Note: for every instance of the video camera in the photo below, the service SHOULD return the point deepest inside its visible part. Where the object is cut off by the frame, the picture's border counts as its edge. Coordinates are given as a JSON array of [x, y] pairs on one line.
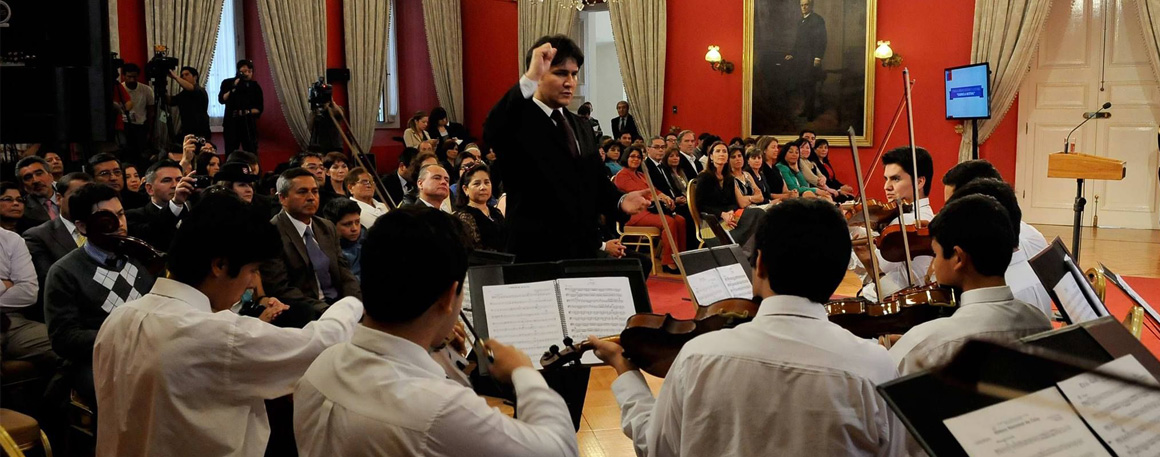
[[158, 68], [320, 93]]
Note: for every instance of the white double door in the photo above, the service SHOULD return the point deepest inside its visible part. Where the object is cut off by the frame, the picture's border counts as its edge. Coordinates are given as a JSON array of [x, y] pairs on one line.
[[1092, 52]]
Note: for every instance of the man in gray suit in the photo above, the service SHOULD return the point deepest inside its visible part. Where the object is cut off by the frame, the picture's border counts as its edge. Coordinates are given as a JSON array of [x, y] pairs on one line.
[[50, 241], [311, 272], [43, 202]]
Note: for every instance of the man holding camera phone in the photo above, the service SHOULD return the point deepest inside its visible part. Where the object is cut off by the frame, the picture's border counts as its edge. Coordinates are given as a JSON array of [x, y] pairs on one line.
[[169, 191], [242, 97]]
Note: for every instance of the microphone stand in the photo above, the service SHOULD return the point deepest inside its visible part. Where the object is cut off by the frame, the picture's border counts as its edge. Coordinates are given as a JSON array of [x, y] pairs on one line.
[[1080, 202]]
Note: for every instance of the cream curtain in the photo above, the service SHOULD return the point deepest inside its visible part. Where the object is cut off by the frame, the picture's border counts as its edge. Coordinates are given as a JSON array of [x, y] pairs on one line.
[[1149, 12], [188, 28], [295, 35], [443, 22], [114, 29], [366, 51], [537, 19], [1006, 35], [638, 28]]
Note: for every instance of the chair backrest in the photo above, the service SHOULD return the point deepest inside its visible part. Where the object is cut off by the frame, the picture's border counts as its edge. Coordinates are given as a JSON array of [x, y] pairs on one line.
[[703, 232]]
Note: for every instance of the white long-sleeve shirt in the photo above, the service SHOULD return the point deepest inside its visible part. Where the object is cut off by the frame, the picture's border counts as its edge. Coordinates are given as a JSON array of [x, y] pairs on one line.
[[174, 378], [894, 273], [16, 266], [384, 395], [788, 383]]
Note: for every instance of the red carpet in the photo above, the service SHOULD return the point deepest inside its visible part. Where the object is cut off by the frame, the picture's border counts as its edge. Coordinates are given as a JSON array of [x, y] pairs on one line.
[[669, 295]]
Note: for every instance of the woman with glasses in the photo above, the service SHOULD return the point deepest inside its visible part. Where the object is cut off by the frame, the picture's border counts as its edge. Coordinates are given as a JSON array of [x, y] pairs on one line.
[[632, 179], [362, 191], [12, 207], [484, 223]]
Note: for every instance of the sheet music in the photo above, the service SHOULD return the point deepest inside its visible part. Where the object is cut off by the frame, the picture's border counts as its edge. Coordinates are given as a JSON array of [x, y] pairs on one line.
[[1085, 287], [526, 316], [1074, 300], [595, 306], [1040, 424], [707, 287], [467, 305], [1126, 417], [736, 281]]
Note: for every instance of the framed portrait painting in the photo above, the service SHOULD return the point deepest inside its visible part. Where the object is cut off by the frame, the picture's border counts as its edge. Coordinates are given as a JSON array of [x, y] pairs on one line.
[[809, 64]]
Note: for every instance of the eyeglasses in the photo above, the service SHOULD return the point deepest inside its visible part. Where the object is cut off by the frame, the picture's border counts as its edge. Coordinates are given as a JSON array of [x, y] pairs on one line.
[[657, 147], [11, 199], [466, 166], [107, 173], [363, 182]]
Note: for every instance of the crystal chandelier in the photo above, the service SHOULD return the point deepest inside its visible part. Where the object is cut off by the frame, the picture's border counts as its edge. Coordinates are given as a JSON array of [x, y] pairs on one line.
[[578, 4]]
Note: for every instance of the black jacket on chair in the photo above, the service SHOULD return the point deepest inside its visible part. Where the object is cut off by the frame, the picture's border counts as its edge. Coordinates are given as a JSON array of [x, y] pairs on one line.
[[553, 199]]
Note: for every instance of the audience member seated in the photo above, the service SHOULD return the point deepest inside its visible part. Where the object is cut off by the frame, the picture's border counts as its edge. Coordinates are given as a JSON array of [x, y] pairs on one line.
[[12, 207], [483, 222], [448, 154], [237, 178], [87, 284], [168, 191], [770, 152], [311, 161], [441, 128], [433, 188], [55, 164], [754, 160], [52, 240], [334, 186], [821, 158], [22, 337], [416, 133], [464, 163], [717, 195], [106, 169], [133, 178], [787, 165], [208, 164], [362, 191], [310, 273], [812, 171], [666, 183], [177, 373], [632, 179], [421, 160], [248, 159], [399, 183], [973, 242], [41, 200], [612, 150], [345, 214], [748, 192], [825, 402], [383, 393], [687, 145]]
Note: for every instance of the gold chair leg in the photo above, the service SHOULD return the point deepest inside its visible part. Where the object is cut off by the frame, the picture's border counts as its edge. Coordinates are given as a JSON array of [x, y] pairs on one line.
[[44, 442], [9, 445]]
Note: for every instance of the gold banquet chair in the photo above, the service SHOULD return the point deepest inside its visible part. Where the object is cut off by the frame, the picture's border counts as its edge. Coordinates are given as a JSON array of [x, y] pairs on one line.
[[19, 433], [638, 237], [703, 230]]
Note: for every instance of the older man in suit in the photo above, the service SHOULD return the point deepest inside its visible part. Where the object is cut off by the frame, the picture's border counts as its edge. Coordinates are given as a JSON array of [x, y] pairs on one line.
[[311, 272], [43, 203], [624, 122], [50, 241], [556, 184]]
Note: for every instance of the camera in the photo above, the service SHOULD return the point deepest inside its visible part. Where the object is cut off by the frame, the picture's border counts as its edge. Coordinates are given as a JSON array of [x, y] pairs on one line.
[[160, 65], [320, 93], [202, 181], [199, 142]]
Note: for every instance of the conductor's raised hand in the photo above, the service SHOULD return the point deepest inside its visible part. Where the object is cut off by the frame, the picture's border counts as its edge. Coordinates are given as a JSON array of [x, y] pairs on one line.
[[506, 360], [635, 202], [541, 61]]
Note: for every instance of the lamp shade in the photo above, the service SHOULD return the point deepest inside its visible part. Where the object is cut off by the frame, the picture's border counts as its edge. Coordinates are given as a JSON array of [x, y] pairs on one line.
[[714, 54], [883, 51]]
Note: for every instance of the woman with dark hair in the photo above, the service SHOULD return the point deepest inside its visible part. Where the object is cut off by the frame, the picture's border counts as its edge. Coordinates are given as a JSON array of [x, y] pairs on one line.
[[612, 150], [770, 151], [12, 207], [753, 162], [748, 193], [336, 168], [416, 130], [811, 171], [208, 164], [630, 179], [821, 157], [484, 222], [448, 154], [717, 194], [132, 177], [675, 172], [441, 128], [787, 164], [736, 141]]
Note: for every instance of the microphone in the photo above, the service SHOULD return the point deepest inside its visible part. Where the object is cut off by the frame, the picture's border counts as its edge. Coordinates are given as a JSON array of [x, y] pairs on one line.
[[1086, 117]]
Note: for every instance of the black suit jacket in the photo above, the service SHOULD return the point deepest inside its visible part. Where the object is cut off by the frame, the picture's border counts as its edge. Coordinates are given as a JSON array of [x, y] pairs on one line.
[[290, 276], [810, 41], [659, 178], [394, 187], [157, 226], [133, 200], [553, 199], [691, 167], [630, 127], [47, 243], [34, 211]]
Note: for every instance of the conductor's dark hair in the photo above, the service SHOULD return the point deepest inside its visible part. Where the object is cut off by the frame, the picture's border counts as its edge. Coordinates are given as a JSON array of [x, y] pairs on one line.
[[813, 231], [565, 49], [1000, 191], [963, 173], [979, 226], [198, 241], [401, 281], [81, 203], [901, 156]]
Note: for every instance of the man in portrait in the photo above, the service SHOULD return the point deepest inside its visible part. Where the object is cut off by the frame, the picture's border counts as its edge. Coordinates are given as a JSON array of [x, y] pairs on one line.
[[805, 57]]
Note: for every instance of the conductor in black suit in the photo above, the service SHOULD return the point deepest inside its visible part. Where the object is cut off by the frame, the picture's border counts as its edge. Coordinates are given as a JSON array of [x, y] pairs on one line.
[[556, 184], [805, 58], [624, 121]]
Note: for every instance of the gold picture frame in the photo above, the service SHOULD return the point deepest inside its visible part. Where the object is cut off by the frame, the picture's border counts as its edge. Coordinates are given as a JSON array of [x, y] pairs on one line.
[[831, 131]]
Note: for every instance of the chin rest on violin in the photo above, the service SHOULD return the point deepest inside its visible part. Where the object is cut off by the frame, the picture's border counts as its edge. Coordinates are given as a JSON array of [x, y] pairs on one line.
[[896, 314], [652, 341]]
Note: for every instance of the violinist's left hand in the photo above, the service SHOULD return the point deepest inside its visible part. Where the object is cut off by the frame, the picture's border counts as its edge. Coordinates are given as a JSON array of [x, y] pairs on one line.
[[458, 339], [612, 354]]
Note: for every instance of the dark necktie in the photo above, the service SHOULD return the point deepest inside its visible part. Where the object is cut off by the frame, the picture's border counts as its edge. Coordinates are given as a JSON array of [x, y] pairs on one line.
[[566, 128], [321, 263], [623, 120]]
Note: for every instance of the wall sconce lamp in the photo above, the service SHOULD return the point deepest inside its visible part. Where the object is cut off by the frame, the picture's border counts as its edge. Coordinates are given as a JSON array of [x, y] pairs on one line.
[[716, 62], [886, 55]]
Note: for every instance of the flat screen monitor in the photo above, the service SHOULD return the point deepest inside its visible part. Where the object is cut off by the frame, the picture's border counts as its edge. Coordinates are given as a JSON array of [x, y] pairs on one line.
[[968, 92]]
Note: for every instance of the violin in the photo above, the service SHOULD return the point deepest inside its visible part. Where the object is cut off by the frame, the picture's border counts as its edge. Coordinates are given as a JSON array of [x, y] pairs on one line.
[[894, 315], [879, 214], [102, 232], [652, 341], [918, 238]]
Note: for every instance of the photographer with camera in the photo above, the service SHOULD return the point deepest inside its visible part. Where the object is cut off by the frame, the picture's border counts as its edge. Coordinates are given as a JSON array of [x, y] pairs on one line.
[[139, 118], [242, 97], [192, 103], [169, 192]]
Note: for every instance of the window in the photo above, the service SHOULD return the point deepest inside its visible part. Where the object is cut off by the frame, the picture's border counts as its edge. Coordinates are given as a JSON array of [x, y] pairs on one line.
[[389, 102], [226, 52]]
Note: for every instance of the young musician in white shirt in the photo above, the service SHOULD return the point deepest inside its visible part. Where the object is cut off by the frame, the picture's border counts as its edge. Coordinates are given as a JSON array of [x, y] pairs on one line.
[[788, 383], [973, 242], [383, 394]]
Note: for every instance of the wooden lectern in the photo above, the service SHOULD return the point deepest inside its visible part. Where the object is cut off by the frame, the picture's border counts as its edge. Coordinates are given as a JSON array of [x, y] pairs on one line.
[[1080, 167]]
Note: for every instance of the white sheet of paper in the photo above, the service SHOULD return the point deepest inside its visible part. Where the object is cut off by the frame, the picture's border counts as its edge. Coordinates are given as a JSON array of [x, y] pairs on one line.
[[1073, 300], [526, 316], [707, 287], [1040, 424], [595, 306], [1126, 417], [736, 281]]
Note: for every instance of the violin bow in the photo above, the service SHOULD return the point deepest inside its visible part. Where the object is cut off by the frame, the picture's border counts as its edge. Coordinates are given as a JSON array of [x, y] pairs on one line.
[[910, 279], [875, 270], [665, 228], [357, 153]]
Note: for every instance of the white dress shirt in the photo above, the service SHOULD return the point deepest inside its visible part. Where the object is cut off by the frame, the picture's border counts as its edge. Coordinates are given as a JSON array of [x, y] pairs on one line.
[[895, 277], [16, 266], [72, 230], [383, 395], [369, 213], [788, 383], [990, 313], [1025, 285], [1031, 241], [175, 378]]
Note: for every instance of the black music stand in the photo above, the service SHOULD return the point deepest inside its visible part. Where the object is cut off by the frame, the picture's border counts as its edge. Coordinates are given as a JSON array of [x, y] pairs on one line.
[[1056, 264]]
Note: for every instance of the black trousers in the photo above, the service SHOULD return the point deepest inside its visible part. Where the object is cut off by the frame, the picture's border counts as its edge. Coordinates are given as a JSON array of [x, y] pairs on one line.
[[240, 132]]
